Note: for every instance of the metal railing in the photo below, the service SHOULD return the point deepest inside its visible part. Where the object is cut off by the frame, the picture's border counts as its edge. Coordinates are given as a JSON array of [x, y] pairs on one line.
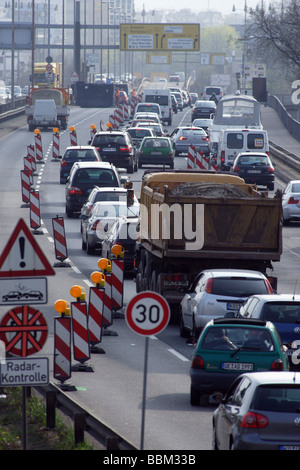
[[291, 124]]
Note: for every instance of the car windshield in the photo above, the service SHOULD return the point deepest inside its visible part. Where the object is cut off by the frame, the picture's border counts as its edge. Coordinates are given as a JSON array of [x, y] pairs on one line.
[[158, 143], [109, 139], [253, 160], [238, 287], [281, 312], [211, 90], [95, 177], [193, 131], [138, 133], [296, 188], [115, 210], [205, 104], [282, 398], [148, 108], [110, 196], [237, 338], [80, 154]]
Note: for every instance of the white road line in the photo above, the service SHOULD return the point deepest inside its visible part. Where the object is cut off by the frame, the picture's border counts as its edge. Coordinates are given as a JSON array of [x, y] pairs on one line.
[[177, 354]]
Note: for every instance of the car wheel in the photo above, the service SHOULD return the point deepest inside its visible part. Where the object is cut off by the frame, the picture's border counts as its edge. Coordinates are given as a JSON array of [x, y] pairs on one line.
[[83, 245], [140, 165], [214, 439], [172, 166], [195, 396], [285, 222], [130, 169], [271, 187], [90, 250], [69, 212]]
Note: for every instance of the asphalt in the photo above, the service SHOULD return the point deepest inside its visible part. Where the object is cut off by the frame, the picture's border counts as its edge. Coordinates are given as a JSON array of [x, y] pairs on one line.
[[277, 132]]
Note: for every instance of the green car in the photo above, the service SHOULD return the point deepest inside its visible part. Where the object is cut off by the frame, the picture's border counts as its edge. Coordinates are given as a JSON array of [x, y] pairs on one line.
[[156, 151], [228, 347]]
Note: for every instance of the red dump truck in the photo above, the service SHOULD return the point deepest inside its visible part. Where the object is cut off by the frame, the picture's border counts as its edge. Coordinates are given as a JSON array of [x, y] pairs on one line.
[[190, 221]]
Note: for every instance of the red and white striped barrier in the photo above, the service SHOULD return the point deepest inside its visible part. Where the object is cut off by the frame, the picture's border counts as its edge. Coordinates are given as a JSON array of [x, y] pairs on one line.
[[38, 145], [112, 120], [25, 186], [56, 144], [95, 316], [35, 218], [73, 136], [105, 266], [60, 244], [81, 340], [125, 112], [117, 272], [62, 348], [93, 131], [191, 157], [28, 166], [118, 117], [203, 162], [31, 155]]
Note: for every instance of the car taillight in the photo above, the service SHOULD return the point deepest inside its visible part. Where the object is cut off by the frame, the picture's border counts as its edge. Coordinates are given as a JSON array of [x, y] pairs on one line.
[[205, 138], [74, 191], [98, 149], [182, 138], [277, 365], [254, 420], [223, 156], [208, 286], [269, 287], [125, 149], [63, 163], [236, 168], [94, 226], [292, 200], [197, 362], [271, 170]]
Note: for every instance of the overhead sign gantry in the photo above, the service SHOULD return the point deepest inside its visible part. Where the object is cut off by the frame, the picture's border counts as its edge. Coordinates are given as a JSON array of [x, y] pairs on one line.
[[160, 37]]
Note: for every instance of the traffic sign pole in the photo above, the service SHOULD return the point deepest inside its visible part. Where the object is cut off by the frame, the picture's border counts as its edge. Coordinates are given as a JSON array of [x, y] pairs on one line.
[[148, 313]]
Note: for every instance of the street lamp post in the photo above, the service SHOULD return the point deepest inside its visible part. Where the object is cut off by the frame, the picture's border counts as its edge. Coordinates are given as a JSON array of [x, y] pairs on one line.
[[244, 44]]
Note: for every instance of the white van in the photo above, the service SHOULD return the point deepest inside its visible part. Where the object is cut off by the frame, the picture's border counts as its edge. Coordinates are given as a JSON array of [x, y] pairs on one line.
[[161, 96], [234, 141]]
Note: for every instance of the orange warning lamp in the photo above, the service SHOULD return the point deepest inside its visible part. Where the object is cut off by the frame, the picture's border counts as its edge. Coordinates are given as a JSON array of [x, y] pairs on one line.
[[93, 126], [56, 130], [72, 128], [117, 250], [109, 125], [78, 292], [104, 264], [37, 131], [62, 307], [98, 278]]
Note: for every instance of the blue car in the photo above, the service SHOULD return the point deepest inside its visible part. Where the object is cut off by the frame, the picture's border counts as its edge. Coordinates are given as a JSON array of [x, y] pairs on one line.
[[284, 311]]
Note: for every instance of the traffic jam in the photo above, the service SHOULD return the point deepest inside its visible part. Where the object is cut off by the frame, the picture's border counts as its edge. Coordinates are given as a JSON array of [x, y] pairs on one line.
[[198, 231]]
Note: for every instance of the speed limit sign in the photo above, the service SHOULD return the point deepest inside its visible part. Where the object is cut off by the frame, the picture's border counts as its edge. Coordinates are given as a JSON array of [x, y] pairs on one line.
[[148, 313]]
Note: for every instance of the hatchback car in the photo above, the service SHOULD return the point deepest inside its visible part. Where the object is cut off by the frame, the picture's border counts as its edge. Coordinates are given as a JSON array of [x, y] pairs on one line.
[[179, 99], [116, 147], [155, 126], [184, 137], [102, 216], [203, 109], [291, 202], [217, 292], [260, 411], [148, 116], [122, 232], [138, 133], [255, 168], [102, 194], [228, 347], [203, 123], [284, 311], [84, 176], [76, 154], [156, 151]]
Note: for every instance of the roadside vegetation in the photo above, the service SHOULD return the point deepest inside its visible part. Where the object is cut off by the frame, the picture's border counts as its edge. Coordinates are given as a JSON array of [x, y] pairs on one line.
[[39, 437]]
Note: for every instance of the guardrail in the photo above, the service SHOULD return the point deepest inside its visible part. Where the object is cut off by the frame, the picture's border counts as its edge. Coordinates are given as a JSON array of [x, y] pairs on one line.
[[292, 125], [6, 110]]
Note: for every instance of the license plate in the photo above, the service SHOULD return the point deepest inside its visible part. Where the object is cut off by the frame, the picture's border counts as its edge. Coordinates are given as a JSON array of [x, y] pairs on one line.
[[109, 150], [237, 366], [155, 153], [289, 447], [233, 306], [254, 171]]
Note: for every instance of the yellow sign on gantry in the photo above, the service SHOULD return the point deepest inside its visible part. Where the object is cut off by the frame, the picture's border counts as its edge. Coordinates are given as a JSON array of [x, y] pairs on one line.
[[160, 37]]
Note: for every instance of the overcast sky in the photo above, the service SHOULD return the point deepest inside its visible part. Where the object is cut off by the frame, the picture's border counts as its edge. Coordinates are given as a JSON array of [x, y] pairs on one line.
[[224, 6]]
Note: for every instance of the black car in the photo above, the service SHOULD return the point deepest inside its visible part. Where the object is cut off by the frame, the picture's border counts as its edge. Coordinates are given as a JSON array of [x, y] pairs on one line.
[[84, 176], [122, 232], [203, 109], [255, 168], [76, 154], [116, 147]]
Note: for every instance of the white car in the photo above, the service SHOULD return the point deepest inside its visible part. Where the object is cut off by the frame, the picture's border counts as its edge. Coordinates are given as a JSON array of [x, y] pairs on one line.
[[291, 202], [216, 293]]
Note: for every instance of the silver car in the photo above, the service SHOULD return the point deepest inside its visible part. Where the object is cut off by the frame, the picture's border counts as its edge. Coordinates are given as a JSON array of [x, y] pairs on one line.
[[291, 202], [94, 229], [260, 411], [184, 137]]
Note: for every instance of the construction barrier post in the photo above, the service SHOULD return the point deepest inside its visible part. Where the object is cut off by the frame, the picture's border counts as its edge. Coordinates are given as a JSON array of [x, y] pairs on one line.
[[28, 166], [62, 344], [25, 187], [93, 131], [191, 157], [105, 266], [35, 217], [117, 269], [31, 155], [73, 136], [55, 144], [81, 340], [60, 244], [38, 146], [95, 311]]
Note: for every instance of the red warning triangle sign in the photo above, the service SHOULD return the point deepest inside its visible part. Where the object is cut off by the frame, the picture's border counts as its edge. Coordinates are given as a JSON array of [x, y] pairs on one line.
[[22, 256]]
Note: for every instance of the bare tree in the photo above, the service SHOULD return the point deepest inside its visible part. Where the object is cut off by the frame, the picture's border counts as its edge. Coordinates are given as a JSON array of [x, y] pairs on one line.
[[275, 33]]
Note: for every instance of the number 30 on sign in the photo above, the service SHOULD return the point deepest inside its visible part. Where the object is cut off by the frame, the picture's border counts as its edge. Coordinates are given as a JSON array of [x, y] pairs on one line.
[[148, 313]]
